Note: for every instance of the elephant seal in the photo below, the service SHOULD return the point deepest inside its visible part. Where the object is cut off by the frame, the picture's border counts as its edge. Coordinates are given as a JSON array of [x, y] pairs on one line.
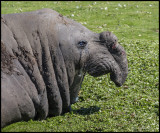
[[44, 58]]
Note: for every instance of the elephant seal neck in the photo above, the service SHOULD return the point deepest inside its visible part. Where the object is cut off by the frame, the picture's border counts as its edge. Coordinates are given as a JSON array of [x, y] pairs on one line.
[[76, 86]]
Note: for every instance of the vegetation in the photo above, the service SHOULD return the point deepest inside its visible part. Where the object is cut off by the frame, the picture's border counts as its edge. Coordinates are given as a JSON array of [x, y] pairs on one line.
[[102, 106]]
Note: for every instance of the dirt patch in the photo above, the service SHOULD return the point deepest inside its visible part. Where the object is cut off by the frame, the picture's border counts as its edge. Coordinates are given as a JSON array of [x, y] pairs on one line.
[[63, 20], [26, 59], [6, 60]]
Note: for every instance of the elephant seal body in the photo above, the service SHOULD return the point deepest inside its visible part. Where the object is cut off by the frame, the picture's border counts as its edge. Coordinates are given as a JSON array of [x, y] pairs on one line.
[[44, 57]]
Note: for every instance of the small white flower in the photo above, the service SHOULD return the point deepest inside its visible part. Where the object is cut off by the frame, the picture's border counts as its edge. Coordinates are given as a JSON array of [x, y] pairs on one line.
[[119, 5], [100, 27], [94, 3], [139, 35], [137, 6], [77, 7], [72, 15], [20, 9], [124, 5], [150, 5], [105, 8], [84, 23], [116, 8], [149, 12]]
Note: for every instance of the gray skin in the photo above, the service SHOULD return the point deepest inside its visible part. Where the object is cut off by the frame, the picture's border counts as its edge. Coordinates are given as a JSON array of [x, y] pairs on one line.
[[44, 57]]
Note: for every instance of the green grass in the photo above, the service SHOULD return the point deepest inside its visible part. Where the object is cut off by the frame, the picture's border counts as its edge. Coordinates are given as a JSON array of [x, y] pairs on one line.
[[102, 106]]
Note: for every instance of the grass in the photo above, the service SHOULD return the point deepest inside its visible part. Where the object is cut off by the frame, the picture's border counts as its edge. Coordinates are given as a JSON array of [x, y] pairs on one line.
[[102, 106]]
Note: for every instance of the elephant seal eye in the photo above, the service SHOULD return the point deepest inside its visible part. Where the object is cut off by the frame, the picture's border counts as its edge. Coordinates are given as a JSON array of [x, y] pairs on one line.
[[82, 44]]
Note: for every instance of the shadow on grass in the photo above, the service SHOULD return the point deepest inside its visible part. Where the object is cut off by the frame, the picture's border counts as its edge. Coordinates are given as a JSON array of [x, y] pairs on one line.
[[86, 111]]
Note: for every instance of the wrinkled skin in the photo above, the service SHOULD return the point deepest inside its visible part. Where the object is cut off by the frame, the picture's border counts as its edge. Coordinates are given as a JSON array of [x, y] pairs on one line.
[[44, 57]]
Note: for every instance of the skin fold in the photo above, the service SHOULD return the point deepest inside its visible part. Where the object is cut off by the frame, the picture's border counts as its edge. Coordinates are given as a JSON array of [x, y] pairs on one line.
[[44, 58]]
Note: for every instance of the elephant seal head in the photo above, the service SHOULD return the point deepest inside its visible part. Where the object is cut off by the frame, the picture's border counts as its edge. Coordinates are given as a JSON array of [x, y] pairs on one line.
[[94, 53], [109, 57]]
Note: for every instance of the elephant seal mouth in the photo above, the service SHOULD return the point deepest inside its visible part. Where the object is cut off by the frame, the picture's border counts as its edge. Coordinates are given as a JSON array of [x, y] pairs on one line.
[[112, 60], [97, 70], [97, 74]]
